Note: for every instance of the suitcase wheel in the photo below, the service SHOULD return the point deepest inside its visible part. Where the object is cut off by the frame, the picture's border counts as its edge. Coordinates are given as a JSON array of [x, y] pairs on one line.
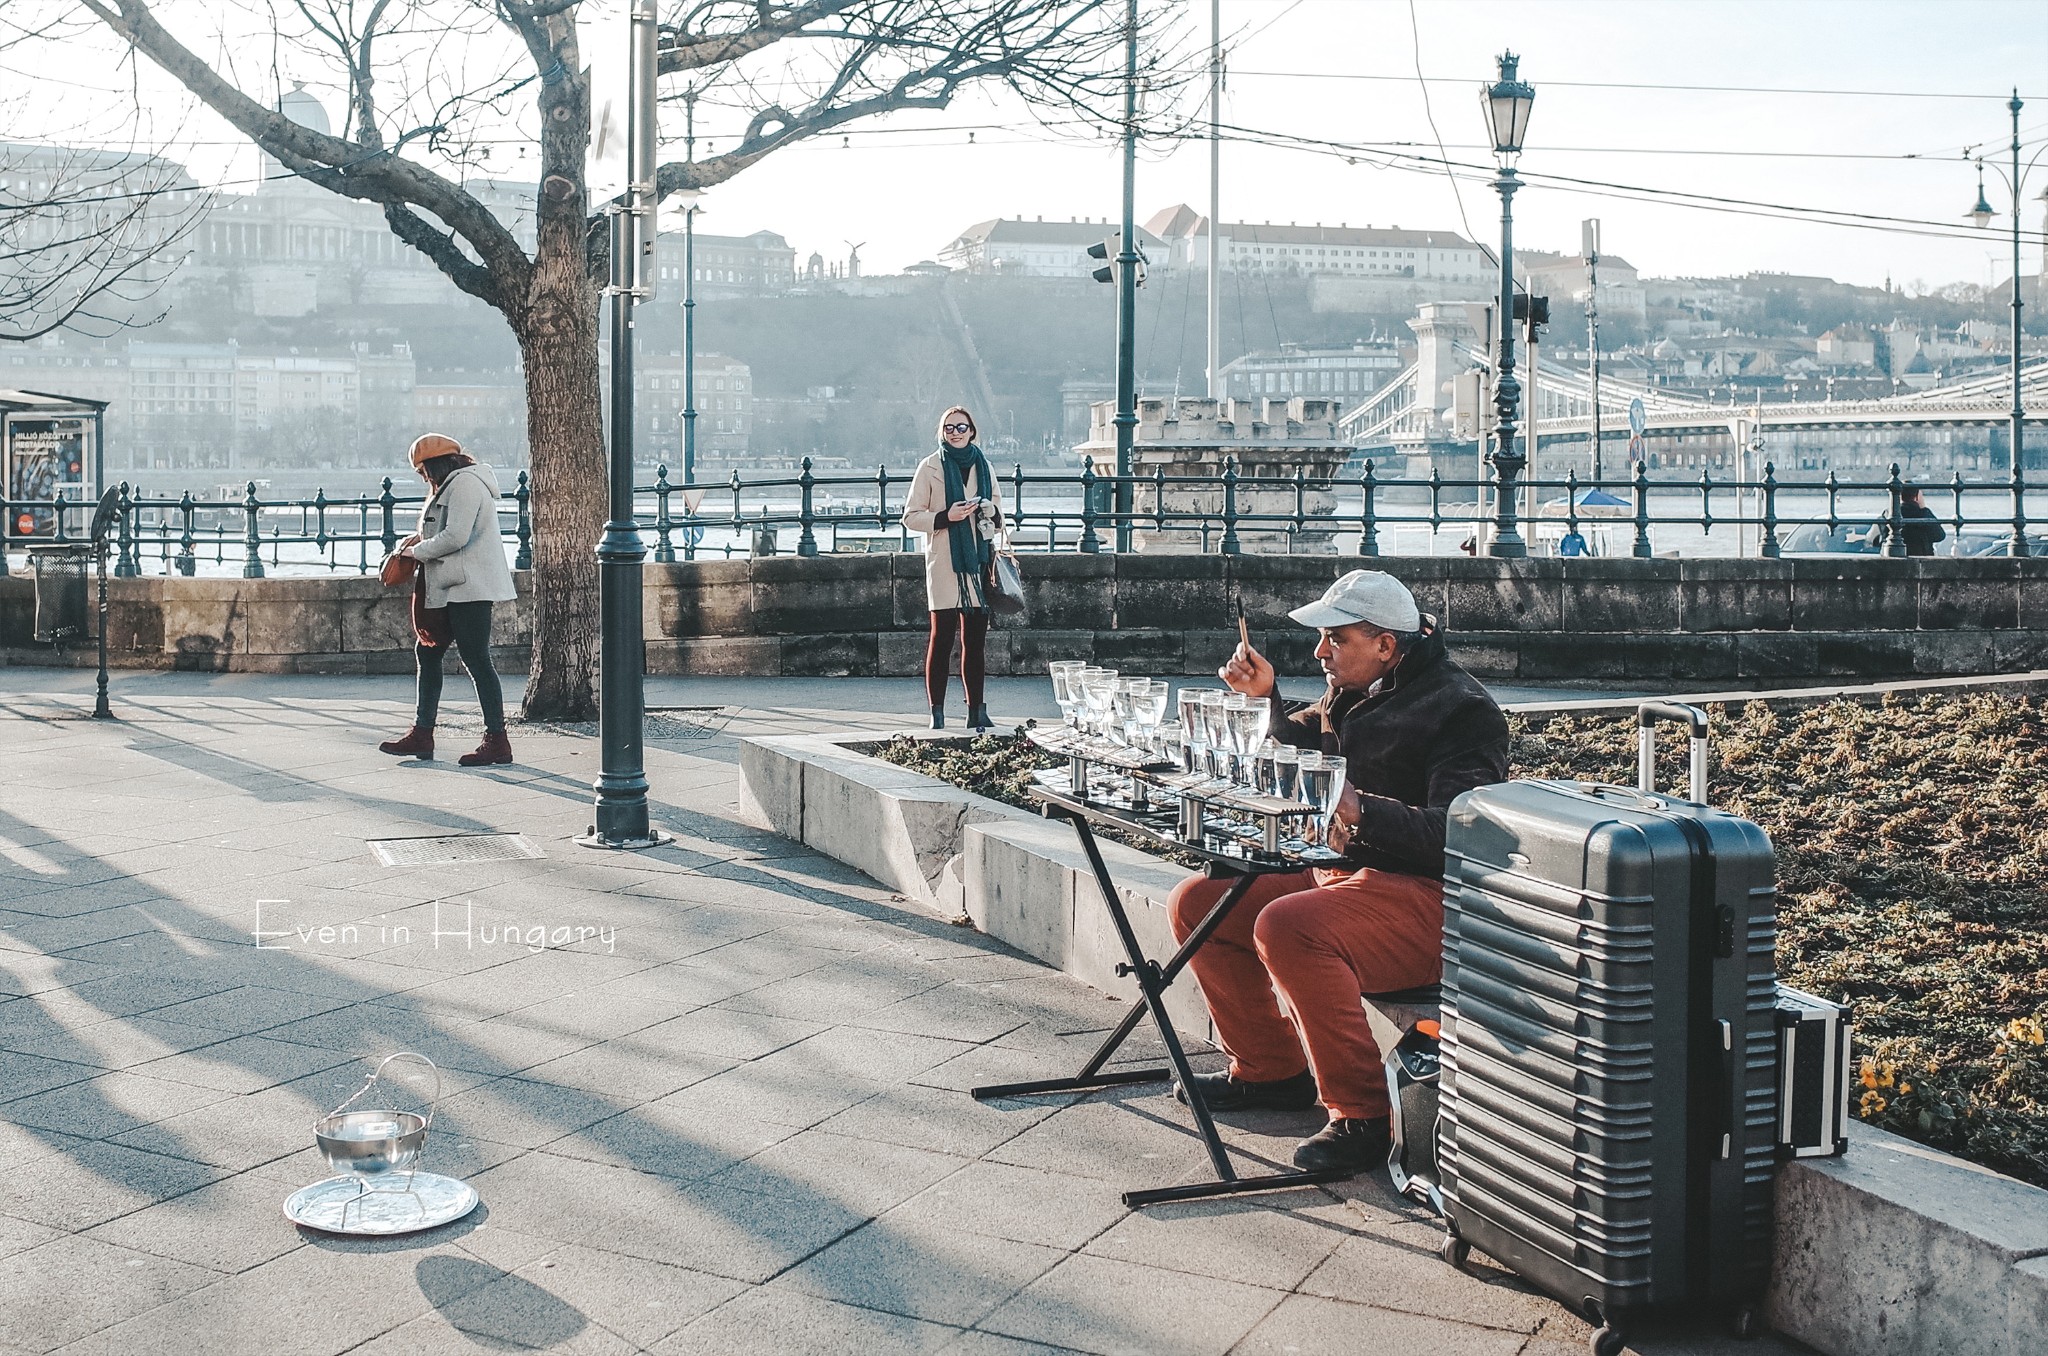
[[1454, 1250], [1606, 1341]]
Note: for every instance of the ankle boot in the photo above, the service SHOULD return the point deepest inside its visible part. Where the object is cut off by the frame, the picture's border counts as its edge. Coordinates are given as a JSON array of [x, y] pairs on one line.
[[977, 718], [938, 717], [414, 743], [496, 748]]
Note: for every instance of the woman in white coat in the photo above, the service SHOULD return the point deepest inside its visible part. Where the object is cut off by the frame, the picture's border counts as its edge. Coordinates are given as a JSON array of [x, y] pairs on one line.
[[955, 502], [461, 553]]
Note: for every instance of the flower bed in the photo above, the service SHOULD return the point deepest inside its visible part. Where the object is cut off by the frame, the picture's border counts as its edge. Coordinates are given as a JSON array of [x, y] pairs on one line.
[[1912, 843]]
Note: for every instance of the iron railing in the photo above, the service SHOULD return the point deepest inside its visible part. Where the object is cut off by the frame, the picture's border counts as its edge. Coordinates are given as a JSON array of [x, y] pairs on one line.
[[1046, 511]]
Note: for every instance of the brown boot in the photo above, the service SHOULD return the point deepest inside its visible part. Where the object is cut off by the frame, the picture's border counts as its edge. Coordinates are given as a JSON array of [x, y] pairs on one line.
[[414, 743], [496, 748]]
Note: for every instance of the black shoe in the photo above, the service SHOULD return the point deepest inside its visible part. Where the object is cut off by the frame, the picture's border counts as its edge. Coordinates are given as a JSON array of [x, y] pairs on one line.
[[977, 719], [1345, 1145], [938, 717], [1221, 1092]]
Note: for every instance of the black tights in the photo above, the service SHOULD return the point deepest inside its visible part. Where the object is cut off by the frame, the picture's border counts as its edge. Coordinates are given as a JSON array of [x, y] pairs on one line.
[[938, 654], [471, 625]]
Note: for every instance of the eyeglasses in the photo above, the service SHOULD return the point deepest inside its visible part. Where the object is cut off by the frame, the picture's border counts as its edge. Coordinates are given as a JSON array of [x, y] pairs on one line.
[[956, 428]]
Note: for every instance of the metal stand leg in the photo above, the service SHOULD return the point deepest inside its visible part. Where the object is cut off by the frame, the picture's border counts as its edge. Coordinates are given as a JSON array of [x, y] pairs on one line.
[[1153, 982]]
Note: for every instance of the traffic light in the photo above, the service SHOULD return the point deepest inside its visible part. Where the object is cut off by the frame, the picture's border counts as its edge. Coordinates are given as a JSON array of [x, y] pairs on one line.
[[1107, 250]]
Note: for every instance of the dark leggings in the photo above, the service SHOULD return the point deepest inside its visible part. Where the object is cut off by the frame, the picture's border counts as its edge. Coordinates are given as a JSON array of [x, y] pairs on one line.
[[471, 625], [938, 655]]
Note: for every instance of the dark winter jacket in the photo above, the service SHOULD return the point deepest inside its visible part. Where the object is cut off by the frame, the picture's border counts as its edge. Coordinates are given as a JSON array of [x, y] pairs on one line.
[[1410, 749]]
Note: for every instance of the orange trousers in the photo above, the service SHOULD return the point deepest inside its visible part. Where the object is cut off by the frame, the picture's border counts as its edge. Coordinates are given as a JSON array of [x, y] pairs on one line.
[[1321, 940]]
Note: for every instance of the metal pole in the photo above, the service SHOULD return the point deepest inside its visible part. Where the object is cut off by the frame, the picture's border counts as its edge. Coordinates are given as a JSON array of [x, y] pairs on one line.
[[1215, 199], [1507, 537], [2019, 482], [1127, 290], [622, 783], [689, 318], [1534, 440], [1593, 330]]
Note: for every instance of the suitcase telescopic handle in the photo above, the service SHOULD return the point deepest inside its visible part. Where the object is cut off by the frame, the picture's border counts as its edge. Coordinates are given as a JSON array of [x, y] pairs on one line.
[[1648, 716]]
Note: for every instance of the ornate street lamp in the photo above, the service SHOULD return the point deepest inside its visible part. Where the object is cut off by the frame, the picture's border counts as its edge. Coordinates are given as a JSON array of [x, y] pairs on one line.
[[1981, 215], [1507, 102]]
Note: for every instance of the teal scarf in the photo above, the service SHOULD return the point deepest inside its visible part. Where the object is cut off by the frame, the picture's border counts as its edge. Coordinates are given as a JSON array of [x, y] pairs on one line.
[[970, 550]]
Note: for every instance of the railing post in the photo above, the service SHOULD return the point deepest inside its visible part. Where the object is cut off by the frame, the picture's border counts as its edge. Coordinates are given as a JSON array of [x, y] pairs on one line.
[[188, 559], [59, 504], [1769, 545], [6, 527], [1895, 523], [1159, 500], [252, 535], [664, 549], [1230, 546], [1090, 543], [1955, 489], [1641, 550], [1834, 489], [1368, 518], [387, 502], [1706, 501], [523, 496], [2019, 480], [320, 537], [1300, 503], [126, 565], [1571, 503], [806, 541]]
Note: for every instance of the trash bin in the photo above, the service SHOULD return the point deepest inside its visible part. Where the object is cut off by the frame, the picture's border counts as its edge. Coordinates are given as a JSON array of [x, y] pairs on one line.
[[62, 607]]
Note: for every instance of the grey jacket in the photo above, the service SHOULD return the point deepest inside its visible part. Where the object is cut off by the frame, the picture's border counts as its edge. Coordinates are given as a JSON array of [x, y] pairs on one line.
[[461, 547]]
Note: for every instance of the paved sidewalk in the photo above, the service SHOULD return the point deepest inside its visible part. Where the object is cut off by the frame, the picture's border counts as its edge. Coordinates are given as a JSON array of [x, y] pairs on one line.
[[712, 1095]]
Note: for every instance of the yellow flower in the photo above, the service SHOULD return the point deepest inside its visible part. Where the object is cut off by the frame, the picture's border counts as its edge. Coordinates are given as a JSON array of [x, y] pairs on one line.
[[2028, 1029], [1871, 1104]]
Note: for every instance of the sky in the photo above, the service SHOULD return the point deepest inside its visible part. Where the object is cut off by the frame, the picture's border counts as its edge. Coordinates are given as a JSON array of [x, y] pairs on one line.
[[1858, 106]]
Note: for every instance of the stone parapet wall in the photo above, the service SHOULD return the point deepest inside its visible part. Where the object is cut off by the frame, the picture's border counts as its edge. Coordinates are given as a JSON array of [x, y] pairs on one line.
[[1535, 620]]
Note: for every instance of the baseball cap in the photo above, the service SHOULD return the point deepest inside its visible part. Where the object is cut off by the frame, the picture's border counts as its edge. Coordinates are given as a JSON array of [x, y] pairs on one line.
[[431, 445], [1370, 596]]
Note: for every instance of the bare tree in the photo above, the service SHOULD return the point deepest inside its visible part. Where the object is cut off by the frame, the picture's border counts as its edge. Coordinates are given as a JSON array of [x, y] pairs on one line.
[[795, 68], [87, 237]]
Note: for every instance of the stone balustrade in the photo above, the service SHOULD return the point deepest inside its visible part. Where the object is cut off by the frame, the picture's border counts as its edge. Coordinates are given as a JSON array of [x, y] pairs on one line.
[[1541, 620]]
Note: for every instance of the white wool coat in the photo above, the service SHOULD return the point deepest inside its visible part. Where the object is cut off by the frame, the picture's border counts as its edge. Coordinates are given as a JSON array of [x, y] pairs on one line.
[[461, 546]]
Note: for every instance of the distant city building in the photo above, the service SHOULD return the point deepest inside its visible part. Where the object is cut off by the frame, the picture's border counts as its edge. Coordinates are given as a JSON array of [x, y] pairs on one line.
[[725, 409], [1343, 250], [1037, 249], [1346, 373], [1562, 278], [757, 265]]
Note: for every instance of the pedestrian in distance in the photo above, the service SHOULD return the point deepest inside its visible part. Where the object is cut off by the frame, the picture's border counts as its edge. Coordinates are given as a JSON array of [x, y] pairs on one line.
[[1917, 525], [460, 552], [956, 505], [1415, 731]]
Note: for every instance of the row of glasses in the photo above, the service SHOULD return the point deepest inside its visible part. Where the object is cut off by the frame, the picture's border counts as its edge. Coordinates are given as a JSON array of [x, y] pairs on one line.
[[1066, 687]]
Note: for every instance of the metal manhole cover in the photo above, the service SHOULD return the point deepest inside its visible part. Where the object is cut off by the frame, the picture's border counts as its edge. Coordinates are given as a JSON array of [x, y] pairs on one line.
[[461, 847]]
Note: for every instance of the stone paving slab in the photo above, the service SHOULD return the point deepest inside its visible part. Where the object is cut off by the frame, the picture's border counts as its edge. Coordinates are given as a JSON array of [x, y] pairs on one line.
[[732, 1119]]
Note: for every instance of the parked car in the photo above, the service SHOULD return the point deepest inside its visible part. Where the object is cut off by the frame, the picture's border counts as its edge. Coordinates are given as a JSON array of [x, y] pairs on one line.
[[2000, 544], [1818, 539]]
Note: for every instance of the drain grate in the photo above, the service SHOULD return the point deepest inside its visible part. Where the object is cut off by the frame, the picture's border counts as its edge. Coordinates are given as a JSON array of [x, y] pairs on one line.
[[461, 847]]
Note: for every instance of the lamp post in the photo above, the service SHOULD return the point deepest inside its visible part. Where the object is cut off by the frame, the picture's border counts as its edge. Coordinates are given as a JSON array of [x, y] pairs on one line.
[[1126, 420], [621, 820], [1507, 102], [689, 197], [1981, 214]]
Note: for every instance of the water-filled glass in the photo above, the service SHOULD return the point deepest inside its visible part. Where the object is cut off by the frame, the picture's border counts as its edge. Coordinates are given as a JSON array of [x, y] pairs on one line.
[[1066, 687], [1215, 731], [1287, 772], [1321, 784]]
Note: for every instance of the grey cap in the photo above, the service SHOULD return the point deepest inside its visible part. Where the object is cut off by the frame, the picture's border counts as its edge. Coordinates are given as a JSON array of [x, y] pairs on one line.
[[1370, 596]]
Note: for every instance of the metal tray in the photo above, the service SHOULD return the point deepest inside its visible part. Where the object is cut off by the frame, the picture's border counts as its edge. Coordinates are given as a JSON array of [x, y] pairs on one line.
[[341, 1205]]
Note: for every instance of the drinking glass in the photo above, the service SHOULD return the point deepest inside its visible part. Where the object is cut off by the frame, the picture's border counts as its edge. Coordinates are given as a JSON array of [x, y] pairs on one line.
[[1264, 780], [1193, 733], [1215, 733], [1315, 781], [1066, 687], [1133, 698], [1096, 685], [1287, 772], [1151, 704], [1247, 720], [1334, 792]]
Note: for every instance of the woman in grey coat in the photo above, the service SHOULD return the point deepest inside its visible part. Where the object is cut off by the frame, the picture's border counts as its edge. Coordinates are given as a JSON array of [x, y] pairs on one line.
[[461, 553], [955, 502]]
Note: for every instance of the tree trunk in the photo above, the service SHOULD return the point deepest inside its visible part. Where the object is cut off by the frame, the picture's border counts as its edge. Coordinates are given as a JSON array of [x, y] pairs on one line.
[[565, 429]]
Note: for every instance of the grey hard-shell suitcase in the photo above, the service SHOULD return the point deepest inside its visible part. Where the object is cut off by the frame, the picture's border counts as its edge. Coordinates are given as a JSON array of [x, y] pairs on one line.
[[1610, 1042]]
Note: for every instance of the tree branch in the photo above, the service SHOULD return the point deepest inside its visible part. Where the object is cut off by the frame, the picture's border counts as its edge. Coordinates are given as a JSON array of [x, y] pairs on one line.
[[343, 166]]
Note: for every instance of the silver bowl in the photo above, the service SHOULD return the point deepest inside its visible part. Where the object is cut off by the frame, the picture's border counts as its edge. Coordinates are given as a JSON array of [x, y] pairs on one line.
[[368, 1143]]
